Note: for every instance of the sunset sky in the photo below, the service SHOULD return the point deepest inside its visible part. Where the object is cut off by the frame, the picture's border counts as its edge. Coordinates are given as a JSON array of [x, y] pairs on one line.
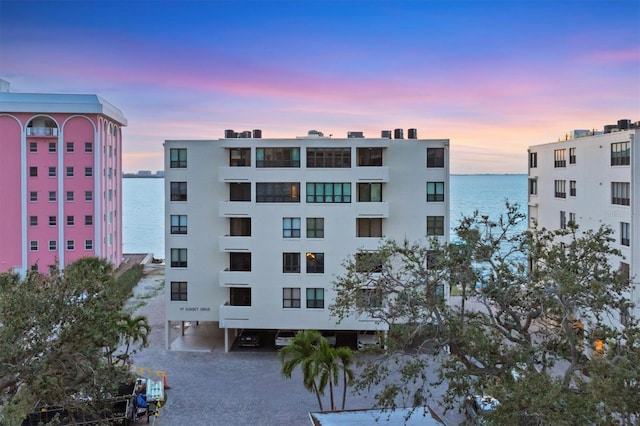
[[492, 76]]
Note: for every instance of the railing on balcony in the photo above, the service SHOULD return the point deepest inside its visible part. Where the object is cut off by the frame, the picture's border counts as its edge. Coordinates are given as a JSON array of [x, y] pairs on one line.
[[42, 131]]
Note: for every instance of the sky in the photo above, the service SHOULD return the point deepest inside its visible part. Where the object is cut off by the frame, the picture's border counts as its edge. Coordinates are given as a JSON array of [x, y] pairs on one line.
[[494, 77]]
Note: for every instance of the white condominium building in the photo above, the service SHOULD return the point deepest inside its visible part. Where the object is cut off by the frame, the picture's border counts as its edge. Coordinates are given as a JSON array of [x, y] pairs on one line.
[[257, 229], [591, 178]]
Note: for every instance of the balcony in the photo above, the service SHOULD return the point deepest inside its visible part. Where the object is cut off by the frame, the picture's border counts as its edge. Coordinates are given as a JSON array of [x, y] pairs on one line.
[[373, 209], [42, 131], [235, 316], [371, 174], [235, 208], [233, 174], [229, 278], [234, 243]]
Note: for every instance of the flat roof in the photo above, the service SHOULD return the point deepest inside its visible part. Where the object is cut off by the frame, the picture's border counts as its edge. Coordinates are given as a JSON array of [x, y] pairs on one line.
[[418, 416]]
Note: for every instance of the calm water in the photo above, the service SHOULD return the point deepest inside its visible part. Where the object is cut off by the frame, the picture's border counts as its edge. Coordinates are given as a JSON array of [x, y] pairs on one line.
[[143, 205]]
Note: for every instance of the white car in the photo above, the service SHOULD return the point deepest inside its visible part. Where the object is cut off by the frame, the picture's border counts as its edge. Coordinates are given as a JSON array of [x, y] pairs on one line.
[[284, 337], [368, 339]]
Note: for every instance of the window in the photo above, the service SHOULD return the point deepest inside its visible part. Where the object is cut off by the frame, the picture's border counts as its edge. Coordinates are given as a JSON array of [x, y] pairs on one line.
[[71, 147], [572, 156], [560, 188], [290, 263], [435, 191], [239, 261], [70, 196], [178, 191], [560, 158], [88, 147], [33, 196], [563, 219], [278, 192], [329, 157], [315, 298], [290, 227], [88, 171], [277, 157], [71, 220], [178, 257], [533, 160], [71, 245], [240, 226], [572, 188], [178, 158], [52, 172], [178, 291], [52, 196], [33, 245], [315, 263], [625, 234], [88, 195], [33, 146], [366, 227], [369, 157], [240, 192], [178, 224], [328, 192], [110, 194], [435, 157], [315, 227], [369, 192], [88, 244], [52, 147], [371, 297], [33, 171], [435, 225], [239, 296], [70, 171], [368, 262], [572, 218], [620, 193], [620, 154], [240, 157], [88, 220], [53, 220], [53, 245], [290, 297], [33, 220], [533, 186]]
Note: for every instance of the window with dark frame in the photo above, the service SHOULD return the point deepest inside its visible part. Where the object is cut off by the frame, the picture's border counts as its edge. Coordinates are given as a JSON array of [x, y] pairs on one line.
[[179, 291], [52, 196], [240, 226], [533, 186], [178, 191], [240, 296], [560, 187], [71, 220], [625, 234], [277, 157], [178, 158], [435, 225], [33, 146], [52, 171], [88, 195], [277, 192], [33, 220], [315, 227], [291, 297], [315, 298], [435, 191], [563, 219], [533, 160], [370, 192], [88, 244], [435, 157], [71, 245], [369, 157], [88, 220], [560, 158], [53, 220], [328, 192], [240, 157], [33, 171], [70, 171], [53, 245], [328, 157], [88, 147], [315, 263], [178, 224], [572, 156], [620, 154], [239, 192], [33, 246], [88, 172], [572, 188], [368, 227], [178, 257], [33, 195], [52, 147], [71, 147], [291, 263], [621, 193], [290, 227], [239, 261]]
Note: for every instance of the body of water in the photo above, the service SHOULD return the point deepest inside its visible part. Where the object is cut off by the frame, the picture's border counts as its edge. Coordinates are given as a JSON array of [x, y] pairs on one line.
[[143, 206]]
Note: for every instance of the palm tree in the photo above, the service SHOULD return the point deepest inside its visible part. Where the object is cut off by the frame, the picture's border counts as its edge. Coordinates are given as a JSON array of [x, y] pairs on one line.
[[331, 361], [345, 356], [302, 351]]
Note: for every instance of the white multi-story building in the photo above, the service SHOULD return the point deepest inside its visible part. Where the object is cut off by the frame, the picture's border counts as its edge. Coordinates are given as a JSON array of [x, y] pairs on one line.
[[257, 229], [593, 179]]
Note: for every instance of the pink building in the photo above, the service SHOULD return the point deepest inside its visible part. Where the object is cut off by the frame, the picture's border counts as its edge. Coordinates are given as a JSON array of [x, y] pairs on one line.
[[60, 179]]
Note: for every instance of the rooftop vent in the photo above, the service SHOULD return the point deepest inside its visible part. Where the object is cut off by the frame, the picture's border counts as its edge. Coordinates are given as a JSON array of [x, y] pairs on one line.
[[315, 133], [624, 124], [412, 133], [257, 134], [608, 128], [385, 134], [397, 134], [351, 135], [230, 134]]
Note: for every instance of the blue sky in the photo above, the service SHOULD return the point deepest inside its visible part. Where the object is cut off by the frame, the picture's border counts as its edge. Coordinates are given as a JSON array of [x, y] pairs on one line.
[[492, 76]]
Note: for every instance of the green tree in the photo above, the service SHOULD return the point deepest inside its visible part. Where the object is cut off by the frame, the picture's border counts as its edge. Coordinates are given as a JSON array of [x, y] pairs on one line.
[[301, 352]]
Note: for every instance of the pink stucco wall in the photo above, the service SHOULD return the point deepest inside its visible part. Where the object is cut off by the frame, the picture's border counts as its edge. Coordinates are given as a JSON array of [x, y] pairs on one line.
[[10, 229]]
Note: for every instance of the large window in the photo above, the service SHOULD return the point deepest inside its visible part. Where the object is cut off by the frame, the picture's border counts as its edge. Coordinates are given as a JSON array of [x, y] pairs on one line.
[[533, 186], [290, 263], [369, 192], [318, 192], [239, 261], [625, 233], [572, 188], [572, 156], [178, 291], [560, 158], [178, 158], [560, 188], [315, 298], [329, 157], [277, 157], [178, 224], [369, 157], [366, 227], [240, 192], [178, 257], [290, 227], [533, 160], [240, 296], [435, 225], [291, 297], [435, 191], [315, 227], [240, 157], [435, 157], [277, 192], [621, 193], [240, 226], [315, 263], [620, 154], [178, 191]]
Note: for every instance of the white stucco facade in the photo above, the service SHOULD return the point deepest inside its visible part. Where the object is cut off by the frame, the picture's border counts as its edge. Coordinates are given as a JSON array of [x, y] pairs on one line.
[[210, 282], [594, 181]]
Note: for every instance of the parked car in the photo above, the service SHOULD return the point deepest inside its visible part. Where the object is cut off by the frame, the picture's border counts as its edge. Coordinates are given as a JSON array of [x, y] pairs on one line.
[[249, 338], [284, 337], [368, 340], [477, 407]]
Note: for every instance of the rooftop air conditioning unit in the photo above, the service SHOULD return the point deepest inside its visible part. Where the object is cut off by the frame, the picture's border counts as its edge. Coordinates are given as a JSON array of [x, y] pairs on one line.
[[385, 134], [412, 133], [351, 135]]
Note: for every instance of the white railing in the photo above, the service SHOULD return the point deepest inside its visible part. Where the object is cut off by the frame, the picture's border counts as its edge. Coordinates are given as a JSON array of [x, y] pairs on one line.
[[42, 131]]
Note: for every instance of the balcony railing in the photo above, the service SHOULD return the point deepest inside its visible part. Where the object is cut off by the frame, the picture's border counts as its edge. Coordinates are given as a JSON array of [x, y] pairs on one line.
[[376, 209], [228, 278], [42, 131], [234, 243]]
